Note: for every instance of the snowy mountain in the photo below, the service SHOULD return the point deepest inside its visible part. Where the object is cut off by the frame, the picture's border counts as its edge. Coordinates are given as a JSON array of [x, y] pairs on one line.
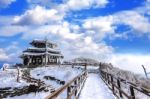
[[83, 60]]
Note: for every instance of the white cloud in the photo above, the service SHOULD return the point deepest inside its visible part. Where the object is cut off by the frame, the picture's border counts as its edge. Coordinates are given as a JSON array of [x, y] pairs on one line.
[[38, 16], [135, 20], [85, 4], [3, 55], [131, 62], [100, 25], [47, 3], [75, 40], [10, 30], [62, 30], [5, 20], [14, 55], [10, 53], [88, 48], [72, 44], [39, 1], [5, 3], [106, 26], [71, 4], [92, 47]]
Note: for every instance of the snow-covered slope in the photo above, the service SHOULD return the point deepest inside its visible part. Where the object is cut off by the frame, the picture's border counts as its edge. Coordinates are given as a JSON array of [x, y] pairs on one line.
[[62, 73], [8, 79]]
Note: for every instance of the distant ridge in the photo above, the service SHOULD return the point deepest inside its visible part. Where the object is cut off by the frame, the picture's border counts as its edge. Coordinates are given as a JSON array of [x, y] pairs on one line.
[[83, 60]]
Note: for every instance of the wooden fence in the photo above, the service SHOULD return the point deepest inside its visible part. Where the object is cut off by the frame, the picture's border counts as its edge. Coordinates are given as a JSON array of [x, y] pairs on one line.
[[73, 87], [76, 64], [117, 87]]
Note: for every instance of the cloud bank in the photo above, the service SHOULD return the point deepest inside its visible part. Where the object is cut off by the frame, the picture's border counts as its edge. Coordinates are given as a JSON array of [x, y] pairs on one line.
[[84, 37]]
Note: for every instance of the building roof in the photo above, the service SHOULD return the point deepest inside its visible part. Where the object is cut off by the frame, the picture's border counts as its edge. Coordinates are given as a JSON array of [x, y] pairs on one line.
[[39, 54], [39, 49], [42, 41], [42, 49]]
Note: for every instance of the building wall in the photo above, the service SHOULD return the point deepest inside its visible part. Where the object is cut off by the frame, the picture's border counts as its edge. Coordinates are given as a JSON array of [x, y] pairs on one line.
[[40, 60]]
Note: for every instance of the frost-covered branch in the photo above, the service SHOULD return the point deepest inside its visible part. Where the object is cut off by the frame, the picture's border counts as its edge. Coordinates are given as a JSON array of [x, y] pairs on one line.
[[146, 74]]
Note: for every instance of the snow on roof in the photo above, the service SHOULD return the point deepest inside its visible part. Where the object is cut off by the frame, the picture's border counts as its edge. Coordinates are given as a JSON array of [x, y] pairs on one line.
[[42, 41], [43, 49], [39, 54]]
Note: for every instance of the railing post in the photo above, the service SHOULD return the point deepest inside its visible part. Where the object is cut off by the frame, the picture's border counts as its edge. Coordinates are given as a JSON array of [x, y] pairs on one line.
[[103, 74], [68, 92], [85, 66], [72, 87], [79, 81], [81, 78], [132, 92], [118, 83], [72, 65], [75, 84], [108, 78], [100, 66], [112, 83]]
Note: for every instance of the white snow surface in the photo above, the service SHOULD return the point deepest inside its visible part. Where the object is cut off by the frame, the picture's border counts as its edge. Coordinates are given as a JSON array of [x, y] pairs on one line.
[[9, 79], [63, 73], [95, 88], [40, 95]]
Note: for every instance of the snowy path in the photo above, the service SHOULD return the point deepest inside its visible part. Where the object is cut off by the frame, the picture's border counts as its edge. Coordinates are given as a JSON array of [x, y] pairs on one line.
[[95, 88]]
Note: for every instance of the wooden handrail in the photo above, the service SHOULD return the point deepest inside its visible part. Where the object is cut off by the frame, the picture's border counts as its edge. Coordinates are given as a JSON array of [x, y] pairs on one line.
[[75, 84], [80, 64], [112, 85]]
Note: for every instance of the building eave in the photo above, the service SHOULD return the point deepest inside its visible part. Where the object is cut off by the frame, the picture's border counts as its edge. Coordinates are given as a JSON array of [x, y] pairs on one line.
[[39, 54]]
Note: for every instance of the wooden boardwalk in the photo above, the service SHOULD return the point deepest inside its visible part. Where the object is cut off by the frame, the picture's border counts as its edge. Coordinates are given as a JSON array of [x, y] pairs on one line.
[[95, 88]]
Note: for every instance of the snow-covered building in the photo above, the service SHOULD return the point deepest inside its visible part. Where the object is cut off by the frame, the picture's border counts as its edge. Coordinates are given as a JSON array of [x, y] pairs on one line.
[[42, 52]]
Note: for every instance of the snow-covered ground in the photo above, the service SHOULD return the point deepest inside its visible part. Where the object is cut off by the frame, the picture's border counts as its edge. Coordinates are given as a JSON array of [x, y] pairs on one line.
[[95, 88], [89, 67], [40, 95], [9, 79], [64, 73]]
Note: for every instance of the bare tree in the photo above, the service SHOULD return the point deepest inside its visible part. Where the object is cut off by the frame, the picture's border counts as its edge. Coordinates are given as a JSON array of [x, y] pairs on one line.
[[18, 74], [146, 73], [5, 66]]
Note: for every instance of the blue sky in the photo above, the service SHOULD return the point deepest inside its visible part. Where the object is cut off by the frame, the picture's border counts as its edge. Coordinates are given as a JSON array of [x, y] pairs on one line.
[[90, 28]]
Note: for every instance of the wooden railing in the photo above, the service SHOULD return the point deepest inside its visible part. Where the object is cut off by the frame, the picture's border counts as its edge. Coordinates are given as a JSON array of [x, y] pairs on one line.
[[72, 88], [117, 87], [81, 64], [76, 64]]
